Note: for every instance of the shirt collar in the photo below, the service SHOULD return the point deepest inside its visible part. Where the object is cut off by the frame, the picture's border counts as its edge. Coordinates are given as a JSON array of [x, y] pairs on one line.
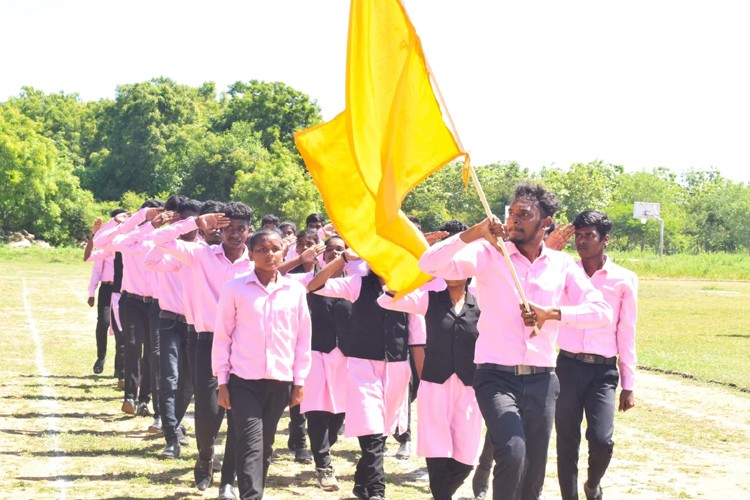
[[219, 249], [281, 280]]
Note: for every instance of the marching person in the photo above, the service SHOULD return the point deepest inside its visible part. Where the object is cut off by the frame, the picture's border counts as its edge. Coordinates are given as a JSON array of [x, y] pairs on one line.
[[515, 383], [588, 362]]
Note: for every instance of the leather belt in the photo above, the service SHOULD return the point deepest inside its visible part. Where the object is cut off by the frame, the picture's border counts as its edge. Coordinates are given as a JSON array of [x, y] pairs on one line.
[[516, 369], [589, 359], [140, 298], [173, 316], [204, 336]]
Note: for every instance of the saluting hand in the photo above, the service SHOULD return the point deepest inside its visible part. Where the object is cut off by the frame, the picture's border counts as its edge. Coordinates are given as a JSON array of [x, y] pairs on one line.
[[558, 239], [209, 222], [310, 254], [152, 212], [435, 236], [122, 217], [164, 218]]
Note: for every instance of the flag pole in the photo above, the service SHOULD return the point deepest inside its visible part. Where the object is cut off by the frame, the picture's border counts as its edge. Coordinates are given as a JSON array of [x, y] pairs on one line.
[[475, 180]]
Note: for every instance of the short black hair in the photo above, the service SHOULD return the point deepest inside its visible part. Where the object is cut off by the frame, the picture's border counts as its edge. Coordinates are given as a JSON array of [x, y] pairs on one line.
[[453, 227], [237, 210], [253, 240], [269, 219], [543, 197], [287, 223], [117, 211], [152, 204], [310, 233], [315, 217], [337, 237], [212, 207], [190, 204], [594, 218], [173, 202]]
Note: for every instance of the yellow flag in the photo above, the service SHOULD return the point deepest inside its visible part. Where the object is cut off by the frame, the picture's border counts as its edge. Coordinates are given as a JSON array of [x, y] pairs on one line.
[[389, 139]]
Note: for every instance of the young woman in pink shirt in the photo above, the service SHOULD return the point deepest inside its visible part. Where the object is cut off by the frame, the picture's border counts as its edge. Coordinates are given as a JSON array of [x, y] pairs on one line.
[[261, 355]]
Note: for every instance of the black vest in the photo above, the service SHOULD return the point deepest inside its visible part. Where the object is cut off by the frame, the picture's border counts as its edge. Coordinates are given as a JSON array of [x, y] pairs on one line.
[[377, 333], [117, 280], [450, 339], [331, 320]]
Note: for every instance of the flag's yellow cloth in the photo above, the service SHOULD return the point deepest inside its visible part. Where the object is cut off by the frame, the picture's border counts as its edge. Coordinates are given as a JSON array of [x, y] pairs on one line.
[[389, 139]]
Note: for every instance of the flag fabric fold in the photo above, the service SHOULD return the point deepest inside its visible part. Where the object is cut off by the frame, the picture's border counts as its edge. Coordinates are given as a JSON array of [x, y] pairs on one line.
[[390, 137]]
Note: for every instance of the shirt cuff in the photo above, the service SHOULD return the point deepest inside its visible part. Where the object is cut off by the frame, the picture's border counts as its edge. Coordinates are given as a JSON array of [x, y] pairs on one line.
[[223, 378]]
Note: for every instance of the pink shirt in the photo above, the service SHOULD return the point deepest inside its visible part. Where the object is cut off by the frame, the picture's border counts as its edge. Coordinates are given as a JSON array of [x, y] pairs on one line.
[[168, 282], [262, 332], [103, 269], [348, 287], [117, 238], [620, 289], [553, 279], [210, 269], [161, 262]]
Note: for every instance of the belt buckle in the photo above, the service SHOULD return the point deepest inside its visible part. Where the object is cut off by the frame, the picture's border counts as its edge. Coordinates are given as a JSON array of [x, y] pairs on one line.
[[588, 358], [524, 370]]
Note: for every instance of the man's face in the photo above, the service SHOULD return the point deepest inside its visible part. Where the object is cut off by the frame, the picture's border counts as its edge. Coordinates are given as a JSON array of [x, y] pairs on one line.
[[235, 234], [525, 221], [589, 243], [314, 225], [287, 231], [303, 243], [185, 214]]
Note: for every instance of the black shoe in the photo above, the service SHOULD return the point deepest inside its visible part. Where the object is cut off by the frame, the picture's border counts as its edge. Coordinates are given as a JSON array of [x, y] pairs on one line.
[[99, 366], [172, 450], [480, 483], [128, 406], [360, 492], [302, 456], [593, 493], [203, 473], [181, 436], [404, 451], [143, 410], [226, 492]]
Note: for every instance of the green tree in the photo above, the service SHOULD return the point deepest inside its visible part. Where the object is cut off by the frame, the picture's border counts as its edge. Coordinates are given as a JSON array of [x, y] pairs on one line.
[[274, 110], [583, 186]]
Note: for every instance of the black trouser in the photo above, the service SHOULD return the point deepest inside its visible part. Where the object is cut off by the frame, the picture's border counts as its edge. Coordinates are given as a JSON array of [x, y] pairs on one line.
[[323, 428], [446, 476], [257, 406], [154, 355], [137, 349], [176, 381], [103, 317], [297, 435], [119, 339], [413, 388], [370, 473], [208, 413], [518, 411], [591, 389]]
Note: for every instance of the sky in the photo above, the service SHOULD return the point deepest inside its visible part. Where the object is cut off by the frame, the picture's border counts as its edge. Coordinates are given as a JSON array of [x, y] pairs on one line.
[[642, 83]]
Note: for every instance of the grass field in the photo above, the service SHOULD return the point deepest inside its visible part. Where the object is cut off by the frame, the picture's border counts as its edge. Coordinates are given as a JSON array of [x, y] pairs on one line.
[[62, 434]]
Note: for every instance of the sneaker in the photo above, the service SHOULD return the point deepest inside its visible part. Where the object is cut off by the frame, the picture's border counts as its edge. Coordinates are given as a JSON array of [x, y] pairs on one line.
[[404, 451], [99, 366], [128, 406], [302, 456], [143, 410], [327, 479], [226, 492], [155, 427], [593, 493]]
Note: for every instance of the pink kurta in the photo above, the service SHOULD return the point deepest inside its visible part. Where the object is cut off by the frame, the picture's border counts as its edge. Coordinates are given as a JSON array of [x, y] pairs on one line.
[[325, 387], [376, 391]]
